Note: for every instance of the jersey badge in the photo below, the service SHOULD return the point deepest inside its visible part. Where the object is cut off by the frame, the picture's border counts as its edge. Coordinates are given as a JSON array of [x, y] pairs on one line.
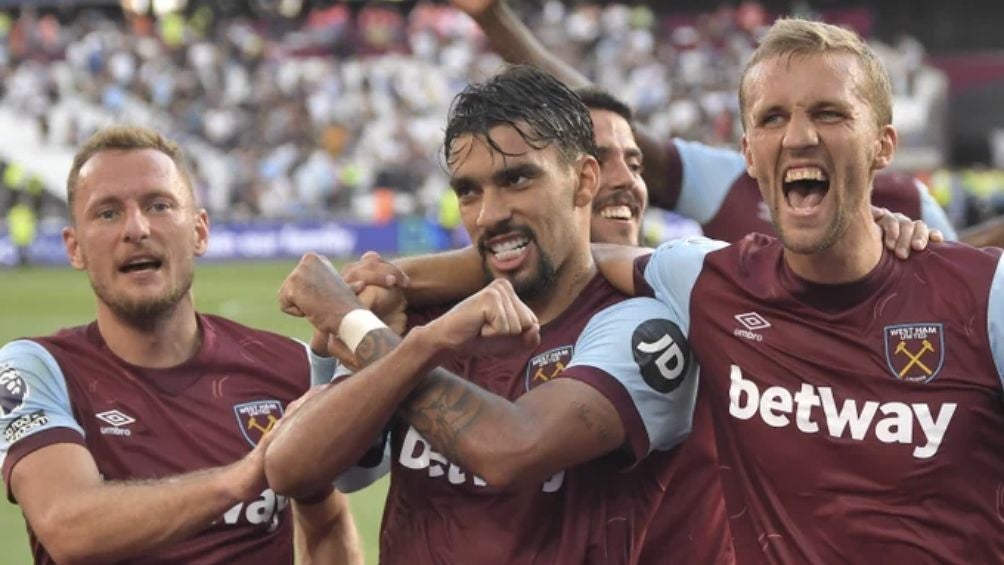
[[915, 352], [662, 354], [547, 365], [13, 389], [255, 419]]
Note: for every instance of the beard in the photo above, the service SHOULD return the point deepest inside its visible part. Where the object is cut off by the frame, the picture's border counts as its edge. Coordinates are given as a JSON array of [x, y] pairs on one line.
[[530, 285], [145, 311]]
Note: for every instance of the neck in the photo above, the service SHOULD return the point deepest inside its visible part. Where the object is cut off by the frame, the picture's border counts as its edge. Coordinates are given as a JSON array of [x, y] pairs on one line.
[[573, 276], [160, 342], [854, 255]]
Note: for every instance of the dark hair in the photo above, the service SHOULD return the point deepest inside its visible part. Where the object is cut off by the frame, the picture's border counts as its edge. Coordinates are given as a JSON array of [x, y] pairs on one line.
[[532, 102], [597, 99]]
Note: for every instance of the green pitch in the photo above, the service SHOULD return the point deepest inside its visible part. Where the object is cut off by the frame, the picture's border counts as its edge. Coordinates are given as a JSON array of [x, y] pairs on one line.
[[39, 301]]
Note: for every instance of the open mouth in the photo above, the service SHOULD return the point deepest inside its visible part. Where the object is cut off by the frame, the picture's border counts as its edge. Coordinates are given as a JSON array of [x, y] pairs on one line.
[[805, 187], [621, 212], [507, 247], [140, 264]]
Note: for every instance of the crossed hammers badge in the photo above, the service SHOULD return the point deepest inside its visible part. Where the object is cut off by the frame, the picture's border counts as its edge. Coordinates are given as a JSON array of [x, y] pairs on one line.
[[918, 352]]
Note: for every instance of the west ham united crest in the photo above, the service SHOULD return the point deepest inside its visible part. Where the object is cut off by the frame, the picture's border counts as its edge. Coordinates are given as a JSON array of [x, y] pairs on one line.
[[547, 365], [255, 419], [915, 352]]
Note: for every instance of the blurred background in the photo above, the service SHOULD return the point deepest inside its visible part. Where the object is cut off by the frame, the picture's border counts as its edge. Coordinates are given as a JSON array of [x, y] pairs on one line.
[[317, 125]]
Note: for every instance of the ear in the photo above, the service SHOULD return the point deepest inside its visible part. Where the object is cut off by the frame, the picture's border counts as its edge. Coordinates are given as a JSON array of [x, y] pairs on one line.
[[201, 232], [748, 156], [589, 181], [73, 251], [885, 147]]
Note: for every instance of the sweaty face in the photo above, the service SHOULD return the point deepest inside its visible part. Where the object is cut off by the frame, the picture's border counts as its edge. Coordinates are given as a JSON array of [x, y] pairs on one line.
[[136, 232], [813, 145], [518, 207], [619, 205]]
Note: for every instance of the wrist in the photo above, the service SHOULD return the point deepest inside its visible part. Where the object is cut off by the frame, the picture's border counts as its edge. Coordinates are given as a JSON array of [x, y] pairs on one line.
[[424, 344], [354, 326]]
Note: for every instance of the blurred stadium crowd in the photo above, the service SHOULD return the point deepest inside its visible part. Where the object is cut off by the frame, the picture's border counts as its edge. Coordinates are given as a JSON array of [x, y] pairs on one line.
[[340, 113]]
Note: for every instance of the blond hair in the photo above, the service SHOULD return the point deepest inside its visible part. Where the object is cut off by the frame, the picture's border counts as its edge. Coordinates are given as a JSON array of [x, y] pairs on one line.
[[793, 36], [125, 138]]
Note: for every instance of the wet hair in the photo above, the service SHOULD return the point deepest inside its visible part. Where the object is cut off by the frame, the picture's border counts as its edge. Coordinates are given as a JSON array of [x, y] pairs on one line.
[[598, 99], [791, 36], [125, 138], [539, 107]]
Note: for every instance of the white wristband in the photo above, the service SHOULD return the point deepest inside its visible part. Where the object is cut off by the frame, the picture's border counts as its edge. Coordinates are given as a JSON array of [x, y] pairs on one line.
[[355, 325]]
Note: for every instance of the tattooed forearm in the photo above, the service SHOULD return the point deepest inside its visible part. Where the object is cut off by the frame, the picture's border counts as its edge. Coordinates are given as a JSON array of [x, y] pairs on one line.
[[592, 421], [375, 345], [442, 408]]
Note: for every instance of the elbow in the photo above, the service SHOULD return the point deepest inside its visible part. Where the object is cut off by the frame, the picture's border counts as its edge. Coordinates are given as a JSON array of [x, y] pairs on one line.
[[290, 474], [515, 467], [282, 471], [65, 545]]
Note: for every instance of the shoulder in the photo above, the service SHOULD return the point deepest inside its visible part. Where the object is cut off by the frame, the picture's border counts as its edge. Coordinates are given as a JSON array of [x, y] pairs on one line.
[[226, 329], [684, 251]]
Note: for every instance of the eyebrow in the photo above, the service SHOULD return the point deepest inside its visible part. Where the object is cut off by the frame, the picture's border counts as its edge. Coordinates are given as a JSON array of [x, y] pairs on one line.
[[497, 177], [603, 151]]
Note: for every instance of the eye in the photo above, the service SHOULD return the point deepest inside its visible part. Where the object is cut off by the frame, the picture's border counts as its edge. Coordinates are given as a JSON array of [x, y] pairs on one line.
[[160, 206], [771, 119], [106, 214], [465, 193], [636, 167], [516, 179], [829, 115]]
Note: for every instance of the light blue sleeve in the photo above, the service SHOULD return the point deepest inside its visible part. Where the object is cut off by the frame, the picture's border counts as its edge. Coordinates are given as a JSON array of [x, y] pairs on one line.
[[360, 477], [673, 269], [995, 318], [322, 369], [33, 394], [933, 214], [639, 342], [708, 176]]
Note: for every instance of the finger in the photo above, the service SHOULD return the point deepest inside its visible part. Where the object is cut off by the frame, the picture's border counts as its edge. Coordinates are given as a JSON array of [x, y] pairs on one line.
[[906, 229], [890, 227], [496, 318], [531, 337], [936, 236], [878, 212], [921, 236]]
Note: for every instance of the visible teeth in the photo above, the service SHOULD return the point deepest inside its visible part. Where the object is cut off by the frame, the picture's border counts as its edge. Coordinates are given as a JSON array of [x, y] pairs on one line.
[[509, 248], [620, 212], [804, 173]]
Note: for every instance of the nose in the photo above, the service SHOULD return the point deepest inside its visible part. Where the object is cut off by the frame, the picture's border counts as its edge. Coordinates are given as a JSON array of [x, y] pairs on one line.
[[495, 209], [800, 132], [137, 225]]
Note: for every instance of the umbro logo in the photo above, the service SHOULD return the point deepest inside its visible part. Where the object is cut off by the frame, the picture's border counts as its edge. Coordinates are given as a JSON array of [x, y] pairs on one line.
[[118, 420], [752, 323]]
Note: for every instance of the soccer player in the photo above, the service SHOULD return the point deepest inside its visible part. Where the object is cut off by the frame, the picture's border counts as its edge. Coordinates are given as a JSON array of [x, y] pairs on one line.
[[856, 399], [516, 461], [140, 437], [707, 184]]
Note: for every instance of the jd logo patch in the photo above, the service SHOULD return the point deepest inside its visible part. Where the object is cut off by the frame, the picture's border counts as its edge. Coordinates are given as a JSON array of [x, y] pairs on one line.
[[255, 419], [662, 354], [915, 352], [547, 365]]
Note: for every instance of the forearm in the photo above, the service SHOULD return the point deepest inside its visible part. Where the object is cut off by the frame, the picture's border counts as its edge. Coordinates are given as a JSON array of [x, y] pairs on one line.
[[116, 520], [516, 44], [326, 533], [442, 278], [331, 431], [484, 433]]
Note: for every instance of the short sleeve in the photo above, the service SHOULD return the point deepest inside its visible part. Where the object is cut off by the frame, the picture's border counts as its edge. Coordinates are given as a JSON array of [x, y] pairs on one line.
[[933, 214], [709, 173], [374, 465], [636, 354], [995, 318], [322, 369], [35, 409], [672, 271]]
